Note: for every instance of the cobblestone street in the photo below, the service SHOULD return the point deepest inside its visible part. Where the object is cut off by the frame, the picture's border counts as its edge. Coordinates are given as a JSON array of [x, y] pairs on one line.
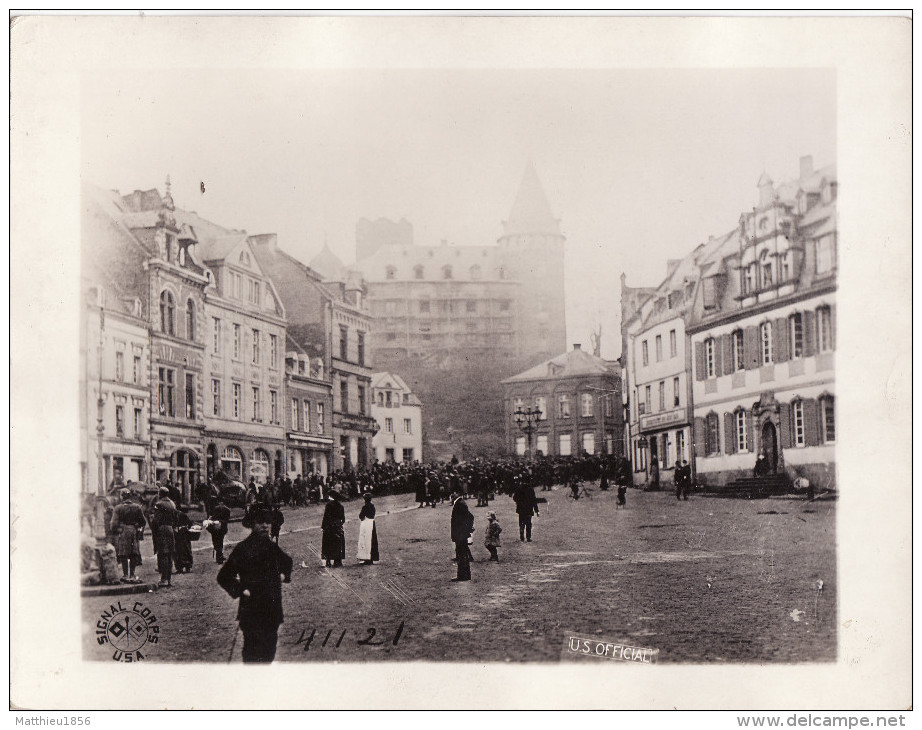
[[707, 580]]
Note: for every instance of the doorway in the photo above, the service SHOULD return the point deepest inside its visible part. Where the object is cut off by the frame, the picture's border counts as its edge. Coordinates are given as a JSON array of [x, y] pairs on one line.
[[770, 446]]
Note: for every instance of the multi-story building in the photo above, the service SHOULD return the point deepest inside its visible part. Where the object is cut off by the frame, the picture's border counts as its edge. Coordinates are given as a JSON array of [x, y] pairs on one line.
[[328, 321], [443, 302], [762, 331], [657, 365], [579, 398], [309, 417], [398, 413], [114, 361]]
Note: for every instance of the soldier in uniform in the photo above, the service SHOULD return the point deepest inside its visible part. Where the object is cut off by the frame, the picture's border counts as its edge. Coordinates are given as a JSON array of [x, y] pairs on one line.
[[253, 573], [126, 525], [220, 517], [162, 521]]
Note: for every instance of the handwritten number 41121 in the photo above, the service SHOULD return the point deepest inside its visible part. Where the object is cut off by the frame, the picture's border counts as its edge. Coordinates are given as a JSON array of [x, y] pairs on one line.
[[369, 640]]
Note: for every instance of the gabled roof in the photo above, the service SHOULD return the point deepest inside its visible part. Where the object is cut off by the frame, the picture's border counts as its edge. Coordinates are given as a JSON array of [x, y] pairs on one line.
[[576, 362], [328, 264], [385, 380]]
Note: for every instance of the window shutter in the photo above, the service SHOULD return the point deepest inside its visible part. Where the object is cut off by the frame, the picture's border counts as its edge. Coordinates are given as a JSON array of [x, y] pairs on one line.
[[750, 431], [809, 333], [727, 350], [811, 423], [786, 426], [751, 347], [782, 339], [832, 326], [700, 430], [730, 432], [700, 369]]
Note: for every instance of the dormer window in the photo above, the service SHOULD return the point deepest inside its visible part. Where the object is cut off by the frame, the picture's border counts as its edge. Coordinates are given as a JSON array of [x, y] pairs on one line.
[[768, 270], [390, 272], [447, 271], [245, 257]]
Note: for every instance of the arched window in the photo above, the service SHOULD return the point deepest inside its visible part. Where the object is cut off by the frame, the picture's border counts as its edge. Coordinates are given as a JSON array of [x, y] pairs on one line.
[[245, 257], [711, 434], [446, 271], [260, 466], [710, 353], [798, 424], [232, 462], [166, 313], [390, 272], [824, 329], [828, 418], [739, 361], [796, 322], [741, 424], [418, 272], [190, 319]]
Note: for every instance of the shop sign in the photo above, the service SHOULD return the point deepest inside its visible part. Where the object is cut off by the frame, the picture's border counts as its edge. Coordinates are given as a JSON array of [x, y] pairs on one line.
[[658, 420]]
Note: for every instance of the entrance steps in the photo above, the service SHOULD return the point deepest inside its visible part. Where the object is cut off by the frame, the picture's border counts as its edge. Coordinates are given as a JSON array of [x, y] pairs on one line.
[[752, 487]]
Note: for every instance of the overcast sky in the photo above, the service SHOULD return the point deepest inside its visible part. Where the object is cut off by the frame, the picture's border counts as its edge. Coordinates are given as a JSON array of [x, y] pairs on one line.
[[639, 165]]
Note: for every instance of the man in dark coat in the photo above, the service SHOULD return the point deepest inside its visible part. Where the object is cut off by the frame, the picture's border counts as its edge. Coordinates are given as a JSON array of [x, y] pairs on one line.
[[162, 521], [182, 553], [220, 517], [252, 574], [333, 542], [462, 526], [126, 526], [526, 505]]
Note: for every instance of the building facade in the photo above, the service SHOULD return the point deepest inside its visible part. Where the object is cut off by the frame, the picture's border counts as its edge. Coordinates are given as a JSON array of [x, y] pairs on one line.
[[398, 413], [579, 399], [309, 416], [441, 302], [762, 332]]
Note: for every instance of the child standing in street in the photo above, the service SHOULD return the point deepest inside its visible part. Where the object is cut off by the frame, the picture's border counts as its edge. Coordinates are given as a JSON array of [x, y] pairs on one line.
[[622, 491], [491, 541]]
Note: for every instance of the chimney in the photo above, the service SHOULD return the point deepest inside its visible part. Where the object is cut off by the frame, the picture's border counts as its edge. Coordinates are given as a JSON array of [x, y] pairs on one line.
[[806, 166], [577, 346]]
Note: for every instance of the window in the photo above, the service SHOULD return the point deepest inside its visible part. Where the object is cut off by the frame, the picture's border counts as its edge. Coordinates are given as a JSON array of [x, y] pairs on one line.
[[257, 406], [390, 272], [320, 408], [293, 414], [190, 395], [424, 306], [673, 349], [503, 305], [138, 417], [136, 370], [541, 443], [236, 341], [825, 254], [648, 400], [797, 411], [407, 426], [828, 416], [765, 337], [216, 336], [645, 351], [307, 416], [120, 421], [585, 405], [823, 329], [273, 406], [344, 396], [417, 272], [216, 397], [680, 445], [541, 405], [238, 396], [588, 444], [120, 366], [659, 348], [361, 346], [742, 422], [166, 313], [446, 271], [736, 341], [608, 409], [520, 446], [749, 279], [165, 391], [343, 343], [710, 367], [475, 272], [361, 398], [471, 305], [564, 444], [389, 425], [563, 406], [786, 267], [245, 257], [768, 270], [273, 351], [712, 434], [256, 347], [676, 398], [518, 404], [190, 319], [797, 334]]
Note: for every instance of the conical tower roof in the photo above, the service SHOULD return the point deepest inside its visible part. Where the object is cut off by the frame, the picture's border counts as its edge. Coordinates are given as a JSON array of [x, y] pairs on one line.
[[328, 264], [531, 213]]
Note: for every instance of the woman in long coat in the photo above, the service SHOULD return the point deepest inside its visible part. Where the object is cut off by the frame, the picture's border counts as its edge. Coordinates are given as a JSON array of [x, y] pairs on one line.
[[368, 534], [333, 543]]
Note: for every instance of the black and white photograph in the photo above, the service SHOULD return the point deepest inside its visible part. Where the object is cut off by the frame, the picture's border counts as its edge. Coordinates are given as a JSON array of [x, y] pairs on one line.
[[461, 363]]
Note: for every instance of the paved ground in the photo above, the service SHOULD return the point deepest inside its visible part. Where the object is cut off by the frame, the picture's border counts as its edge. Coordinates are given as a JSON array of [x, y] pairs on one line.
[[707, 580]]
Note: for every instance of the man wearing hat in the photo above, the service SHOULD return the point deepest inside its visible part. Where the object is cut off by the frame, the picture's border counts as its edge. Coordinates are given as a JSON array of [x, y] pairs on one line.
[[333, 541], [162, 522], [253, 573], [220, 517], [126, 525]]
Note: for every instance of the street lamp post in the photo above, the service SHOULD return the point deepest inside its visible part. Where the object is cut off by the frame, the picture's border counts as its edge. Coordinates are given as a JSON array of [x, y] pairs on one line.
[[525, 420]]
